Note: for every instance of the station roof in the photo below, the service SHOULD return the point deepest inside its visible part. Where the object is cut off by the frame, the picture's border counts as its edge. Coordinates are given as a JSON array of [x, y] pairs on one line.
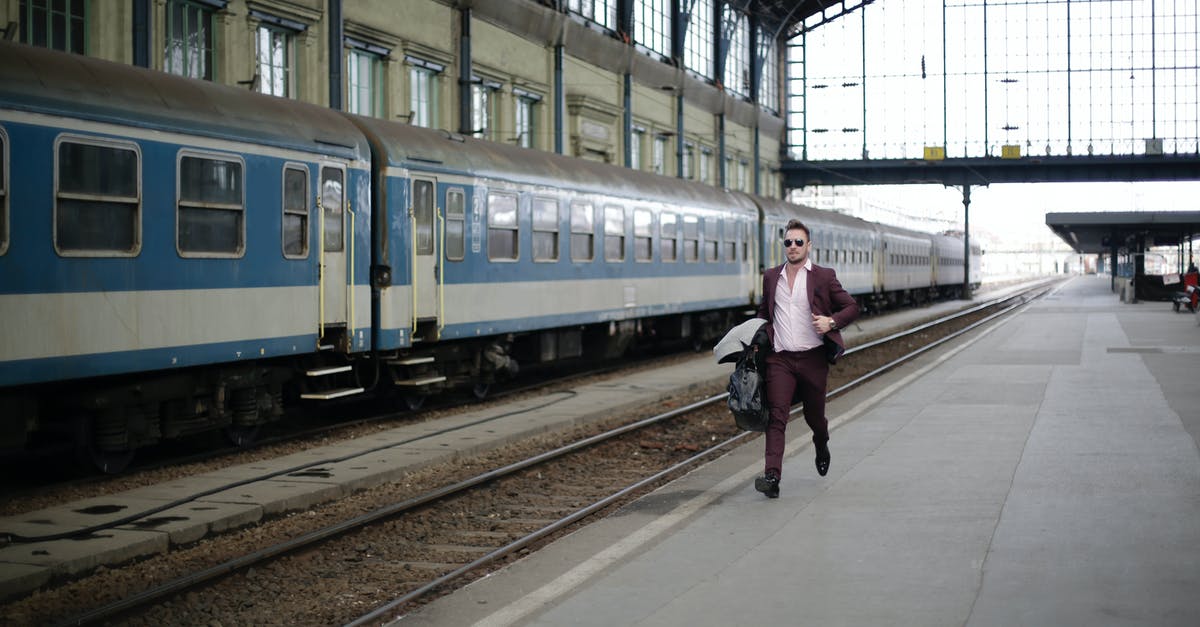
[[794, 16], [1098, 232]]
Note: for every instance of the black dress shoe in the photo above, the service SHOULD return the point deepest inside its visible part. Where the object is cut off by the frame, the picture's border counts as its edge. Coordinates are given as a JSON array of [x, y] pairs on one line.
[[768, 485], [822, 459]]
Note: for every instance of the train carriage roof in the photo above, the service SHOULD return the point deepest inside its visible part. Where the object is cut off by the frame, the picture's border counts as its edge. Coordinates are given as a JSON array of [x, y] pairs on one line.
[[783, 210], [408, 146], [45, 81]]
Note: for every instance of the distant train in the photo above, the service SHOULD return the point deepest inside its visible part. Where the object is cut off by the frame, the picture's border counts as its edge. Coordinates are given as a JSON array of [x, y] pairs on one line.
[[179, 256]]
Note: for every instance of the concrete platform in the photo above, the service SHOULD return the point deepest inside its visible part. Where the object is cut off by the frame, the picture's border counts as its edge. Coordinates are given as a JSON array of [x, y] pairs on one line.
[[201, 505], [1044, 473]]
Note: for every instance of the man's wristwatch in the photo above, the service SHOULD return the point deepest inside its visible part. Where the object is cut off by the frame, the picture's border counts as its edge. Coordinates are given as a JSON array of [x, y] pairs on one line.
[[832, 324]]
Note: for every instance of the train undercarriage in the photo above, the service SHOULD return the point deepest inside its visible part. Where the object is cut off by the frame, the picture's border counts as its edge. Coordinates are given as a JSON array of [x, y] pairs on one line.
[[106, 420]]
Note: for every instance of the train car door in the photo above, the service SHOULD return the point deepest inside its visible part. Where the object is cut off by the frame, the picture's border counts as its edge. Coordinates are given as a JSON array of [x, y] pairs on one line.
[[333, 251], [426, 273]]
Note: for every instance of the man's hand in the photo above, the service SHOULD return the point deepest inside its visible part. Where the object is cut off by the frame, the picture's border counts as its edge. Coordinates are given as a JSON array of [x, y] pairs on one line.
[[823, 324]]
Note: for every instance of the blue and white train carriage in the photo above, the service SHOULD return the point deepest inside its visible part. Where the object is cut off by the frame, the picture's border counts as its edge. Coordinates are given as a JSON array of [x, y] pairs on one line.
[[163, 257], [511, 255]]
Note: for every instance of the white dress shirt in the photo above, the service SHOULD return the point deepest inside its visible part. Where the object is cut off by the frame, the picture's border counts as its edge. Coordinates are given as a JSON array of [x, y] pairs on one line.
[[794, 330]]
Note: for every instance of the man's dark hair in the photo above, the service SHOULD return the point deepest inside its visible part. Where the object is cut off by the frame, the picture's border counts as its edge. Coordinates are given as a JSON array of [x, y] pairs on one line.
[[796, 224]]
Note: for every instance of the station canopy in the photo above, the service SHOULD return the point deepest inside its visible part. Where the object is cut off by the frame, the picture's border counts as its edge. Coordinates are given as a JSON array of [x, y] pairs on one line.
[[1100, 232], [793, 16]]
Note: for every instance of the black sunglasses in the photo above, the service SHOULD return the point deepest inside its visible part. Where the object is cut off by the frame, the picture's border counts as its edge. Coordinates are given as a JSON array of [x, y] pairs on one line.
[[787, 243]]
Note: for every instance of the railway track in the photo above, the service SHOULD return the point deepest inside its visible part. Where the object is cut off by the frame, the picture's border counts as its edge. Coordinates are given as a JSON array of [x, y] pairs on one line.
[[452, 532], [56, 472]]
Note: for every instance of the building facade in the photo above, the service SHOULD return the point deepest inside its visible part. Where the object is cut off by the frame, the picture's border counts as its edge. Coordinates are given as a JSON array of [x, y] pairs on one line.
[[671, 92]]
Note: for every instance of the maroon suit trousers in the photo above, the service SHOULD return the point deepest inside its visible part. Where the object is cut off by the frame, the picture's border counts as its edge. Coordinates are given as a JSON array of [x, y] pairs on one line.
[[801, 375]]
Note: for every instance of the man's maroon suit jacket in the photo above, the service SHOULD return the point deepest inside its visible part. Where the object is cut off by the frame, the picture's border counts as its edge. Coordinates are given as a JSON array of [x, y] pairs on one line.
[[826, 297]]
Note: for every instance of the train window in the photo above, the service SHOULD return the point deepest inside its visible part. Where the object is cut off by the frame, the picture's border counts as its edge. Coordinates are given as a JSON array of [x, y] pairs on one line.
[[98, 201], [583, 231], [614, 233], [731, 239], [295, 211], [691, 238], [545, 229], [643, 234], [668, 230], [211, 218], [422, 208], [712, 242], [456, 224], [332, 210], [502, 226], [3, 193]]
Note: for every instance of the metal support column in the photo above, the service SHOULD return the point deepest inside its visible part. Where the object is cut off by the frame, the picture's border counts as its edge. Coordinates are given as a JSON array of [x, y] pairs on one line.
[[721, 151], [757, 162], [756, 63], [863, 79], [680, 19], [624, 25], [1139, 266], [336, 35], [627, 120], [465, 124], [560, 100], [679, 134], [1112, 262], [966, 288], [141, 33]]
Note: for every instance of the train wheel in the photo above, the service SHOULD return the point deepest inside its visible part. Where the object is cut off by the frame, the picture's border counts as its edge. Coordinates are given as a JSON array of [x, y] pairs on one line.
[[480, 390], [242, 437], [89, 454]]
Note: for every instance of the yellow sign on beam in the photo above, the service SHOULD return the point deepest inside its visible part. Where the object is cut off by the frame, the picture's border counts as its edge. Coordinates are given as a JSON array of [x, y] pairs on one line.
[[1010, 151], [935, 153]]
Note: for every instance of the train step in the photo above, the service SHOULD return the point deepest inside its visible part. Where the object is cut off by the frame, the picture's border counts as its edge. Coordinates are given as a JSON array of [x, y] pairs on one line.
[[320, 372], [332, 394], [421, 381], [410, 361]]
